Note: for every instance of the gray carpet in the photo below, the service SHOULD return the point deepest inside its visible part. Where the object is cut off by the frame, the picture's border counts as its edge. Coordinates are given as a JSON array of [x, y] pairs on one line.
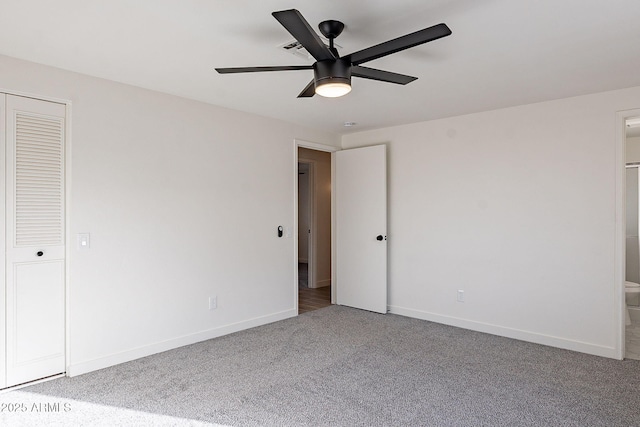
[[344, 367]]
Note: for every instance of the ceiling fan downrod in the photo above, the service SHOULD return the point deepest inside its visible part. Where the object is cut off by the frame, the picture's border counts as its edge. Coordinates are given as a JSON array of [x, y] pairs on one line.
[[331, 29]]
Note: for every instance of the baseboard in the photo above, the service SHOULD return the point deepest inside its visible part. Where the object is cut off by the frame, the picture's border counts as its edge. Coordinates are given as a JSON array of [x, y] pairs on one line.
[[136, 353], [502, 331], [323, 283]]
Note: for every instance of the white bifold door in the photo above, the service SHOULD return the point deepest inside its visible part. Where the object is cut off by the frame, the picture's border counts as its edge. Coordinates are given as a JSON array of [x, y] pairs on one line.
[[361, 228], [33, 141]]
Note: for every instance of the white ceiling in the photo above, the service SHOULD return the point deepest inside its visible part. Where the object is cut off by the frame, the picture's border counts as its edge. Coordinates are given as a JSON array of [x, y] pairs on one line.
[[501, 53]]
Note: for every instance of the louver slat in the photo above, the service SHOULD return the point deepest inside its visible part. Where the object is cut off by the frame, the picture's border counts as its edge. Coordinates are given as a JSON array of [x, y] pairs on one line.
[[39, 191]]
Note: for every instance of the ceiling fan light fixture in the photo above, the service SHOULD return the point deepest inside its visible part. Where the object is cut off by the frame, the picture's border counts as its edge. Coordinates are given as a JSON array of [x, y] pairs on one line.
[[332, 89], [332, 78]]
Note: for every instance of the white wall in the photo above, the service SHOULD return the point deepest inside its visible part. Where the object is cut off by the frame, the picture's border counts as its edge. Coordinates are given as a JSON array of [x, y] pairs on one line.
[[517, 208], [182, 200]]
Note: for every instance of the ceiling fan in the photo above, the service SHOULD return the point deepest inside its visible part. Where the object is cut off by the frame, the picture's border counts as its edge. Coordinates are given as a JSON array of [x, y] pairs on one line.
[[332, 73]]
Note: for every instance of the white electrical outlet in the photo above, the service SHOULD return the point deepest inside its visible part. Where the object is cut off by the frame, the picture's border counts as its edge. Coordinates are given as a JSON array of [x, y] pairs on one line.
[[213, 302], [460, 295]]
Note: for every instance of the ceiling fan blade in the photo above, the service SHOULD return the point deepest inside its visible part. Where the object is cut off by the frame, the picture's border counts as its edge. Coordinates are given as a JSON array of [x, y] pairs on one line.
[[309, 90], [260, 69], [383, 76], [401, 43], [299, 28]]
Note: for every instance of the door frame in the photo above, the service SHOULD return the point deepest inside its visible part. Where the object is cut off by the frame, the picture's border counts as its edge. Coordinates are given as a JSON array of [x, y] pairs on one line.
[[299, 143], [620, 232], [67, 194]]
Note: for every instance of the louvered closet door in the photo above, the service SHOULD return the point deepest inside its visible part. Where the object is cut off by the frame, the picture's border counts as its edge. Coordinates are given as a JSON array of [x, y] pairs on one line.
[[35, 237]]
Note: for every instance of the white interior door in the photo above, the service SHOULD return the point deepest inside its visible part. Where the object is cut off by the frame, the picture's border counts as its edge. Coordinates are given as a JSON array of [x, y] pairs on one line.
[[35, 239], [361, 228]]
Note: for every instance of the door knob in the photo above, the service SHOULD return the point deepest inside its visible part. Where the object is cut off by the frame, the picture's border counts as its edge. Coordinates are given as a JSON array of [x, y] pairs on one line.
[[379, 238], [39, 253]]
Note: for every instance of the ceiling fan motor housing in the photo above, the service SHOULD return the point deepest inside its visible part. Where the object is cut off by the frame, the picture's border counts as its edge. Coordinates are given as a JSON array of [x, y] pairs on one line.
[[332, 71]]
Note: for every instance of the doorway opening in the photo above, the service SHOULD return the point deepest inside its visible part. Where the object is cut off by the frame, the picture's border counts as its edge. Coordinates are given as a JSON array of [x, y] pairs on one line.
[[314, 229], [632, 242]]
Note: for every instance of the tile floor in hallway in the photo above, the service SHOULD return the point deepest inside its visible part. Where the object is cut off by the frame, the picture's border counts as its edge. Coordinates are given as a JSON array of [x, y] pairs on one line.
[[310, 299]]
